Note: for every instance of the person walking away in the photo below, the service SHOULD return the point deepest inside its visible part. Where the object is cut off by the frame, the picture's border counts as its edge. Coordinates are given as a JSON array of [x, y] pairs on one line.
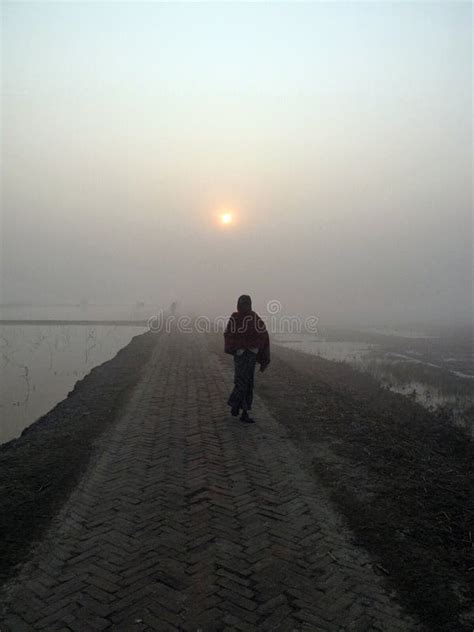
[[246, 338]]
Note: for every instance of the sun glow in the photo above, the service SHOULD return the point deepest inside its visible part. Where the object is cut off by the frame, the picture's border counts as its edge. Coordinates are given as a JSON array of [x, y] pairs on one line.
[[226, 217]]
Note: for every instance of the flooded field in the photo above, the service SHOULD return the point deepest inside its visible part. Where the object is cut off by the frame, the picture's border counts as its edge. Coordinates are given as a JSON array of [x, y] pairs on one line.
[[39, 365], [436, 371], [138, 311]]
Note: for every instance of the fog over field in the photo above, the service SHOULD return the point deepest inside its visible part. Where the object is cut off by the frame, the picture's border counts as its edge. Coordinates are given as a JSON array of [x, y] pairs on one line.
[[337, 137]]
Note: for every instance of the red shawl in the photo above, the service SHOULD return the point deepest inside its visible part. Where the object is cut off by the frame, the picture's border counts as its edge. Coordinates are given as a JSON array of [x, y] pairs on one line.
[[246, 330]]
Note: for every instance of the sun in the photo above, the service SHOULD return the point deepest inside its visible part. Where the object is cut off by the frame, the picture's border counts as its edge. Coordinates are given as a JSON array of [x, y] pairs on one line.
[[226, 217]]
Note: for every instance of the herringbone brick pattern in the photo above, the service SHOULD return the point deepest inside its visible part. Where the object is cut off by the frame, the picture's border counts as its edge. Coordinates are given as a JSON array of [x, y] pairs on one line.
[[190, 520]]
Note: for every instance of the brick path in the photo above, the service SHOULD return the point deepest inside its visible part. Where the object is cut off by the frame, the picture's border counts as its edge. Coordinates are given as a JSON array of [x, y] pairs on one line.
[[190, 520]]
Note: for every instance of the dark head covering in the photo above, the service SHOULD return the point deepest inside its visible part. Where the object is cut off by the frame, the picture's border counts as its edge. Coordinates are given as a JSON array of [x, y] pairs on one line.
[[244, 304]]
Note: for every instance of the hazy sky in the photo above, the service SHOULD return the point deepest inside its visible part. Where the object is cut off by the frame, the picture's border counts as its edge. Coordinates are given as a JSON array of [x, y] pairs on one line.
[[338, 134]]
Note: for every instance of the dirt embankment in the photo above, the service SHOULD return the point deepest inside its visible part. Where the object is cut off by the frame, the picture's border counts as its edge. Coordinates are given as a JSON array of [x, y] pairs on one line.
[[402, 477], [38, 470]]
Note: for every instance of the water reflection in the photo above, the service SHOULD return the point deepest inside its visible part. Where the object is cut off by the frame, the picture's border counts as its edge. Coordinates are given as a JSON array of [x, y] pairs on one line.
[[339, 350], [39, 365]]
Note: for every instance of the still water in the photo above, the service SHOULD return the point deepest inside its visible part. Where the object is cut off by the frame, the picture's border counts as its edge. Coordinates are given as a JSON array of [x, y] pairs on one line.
[[39, 365], [338, 350]]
